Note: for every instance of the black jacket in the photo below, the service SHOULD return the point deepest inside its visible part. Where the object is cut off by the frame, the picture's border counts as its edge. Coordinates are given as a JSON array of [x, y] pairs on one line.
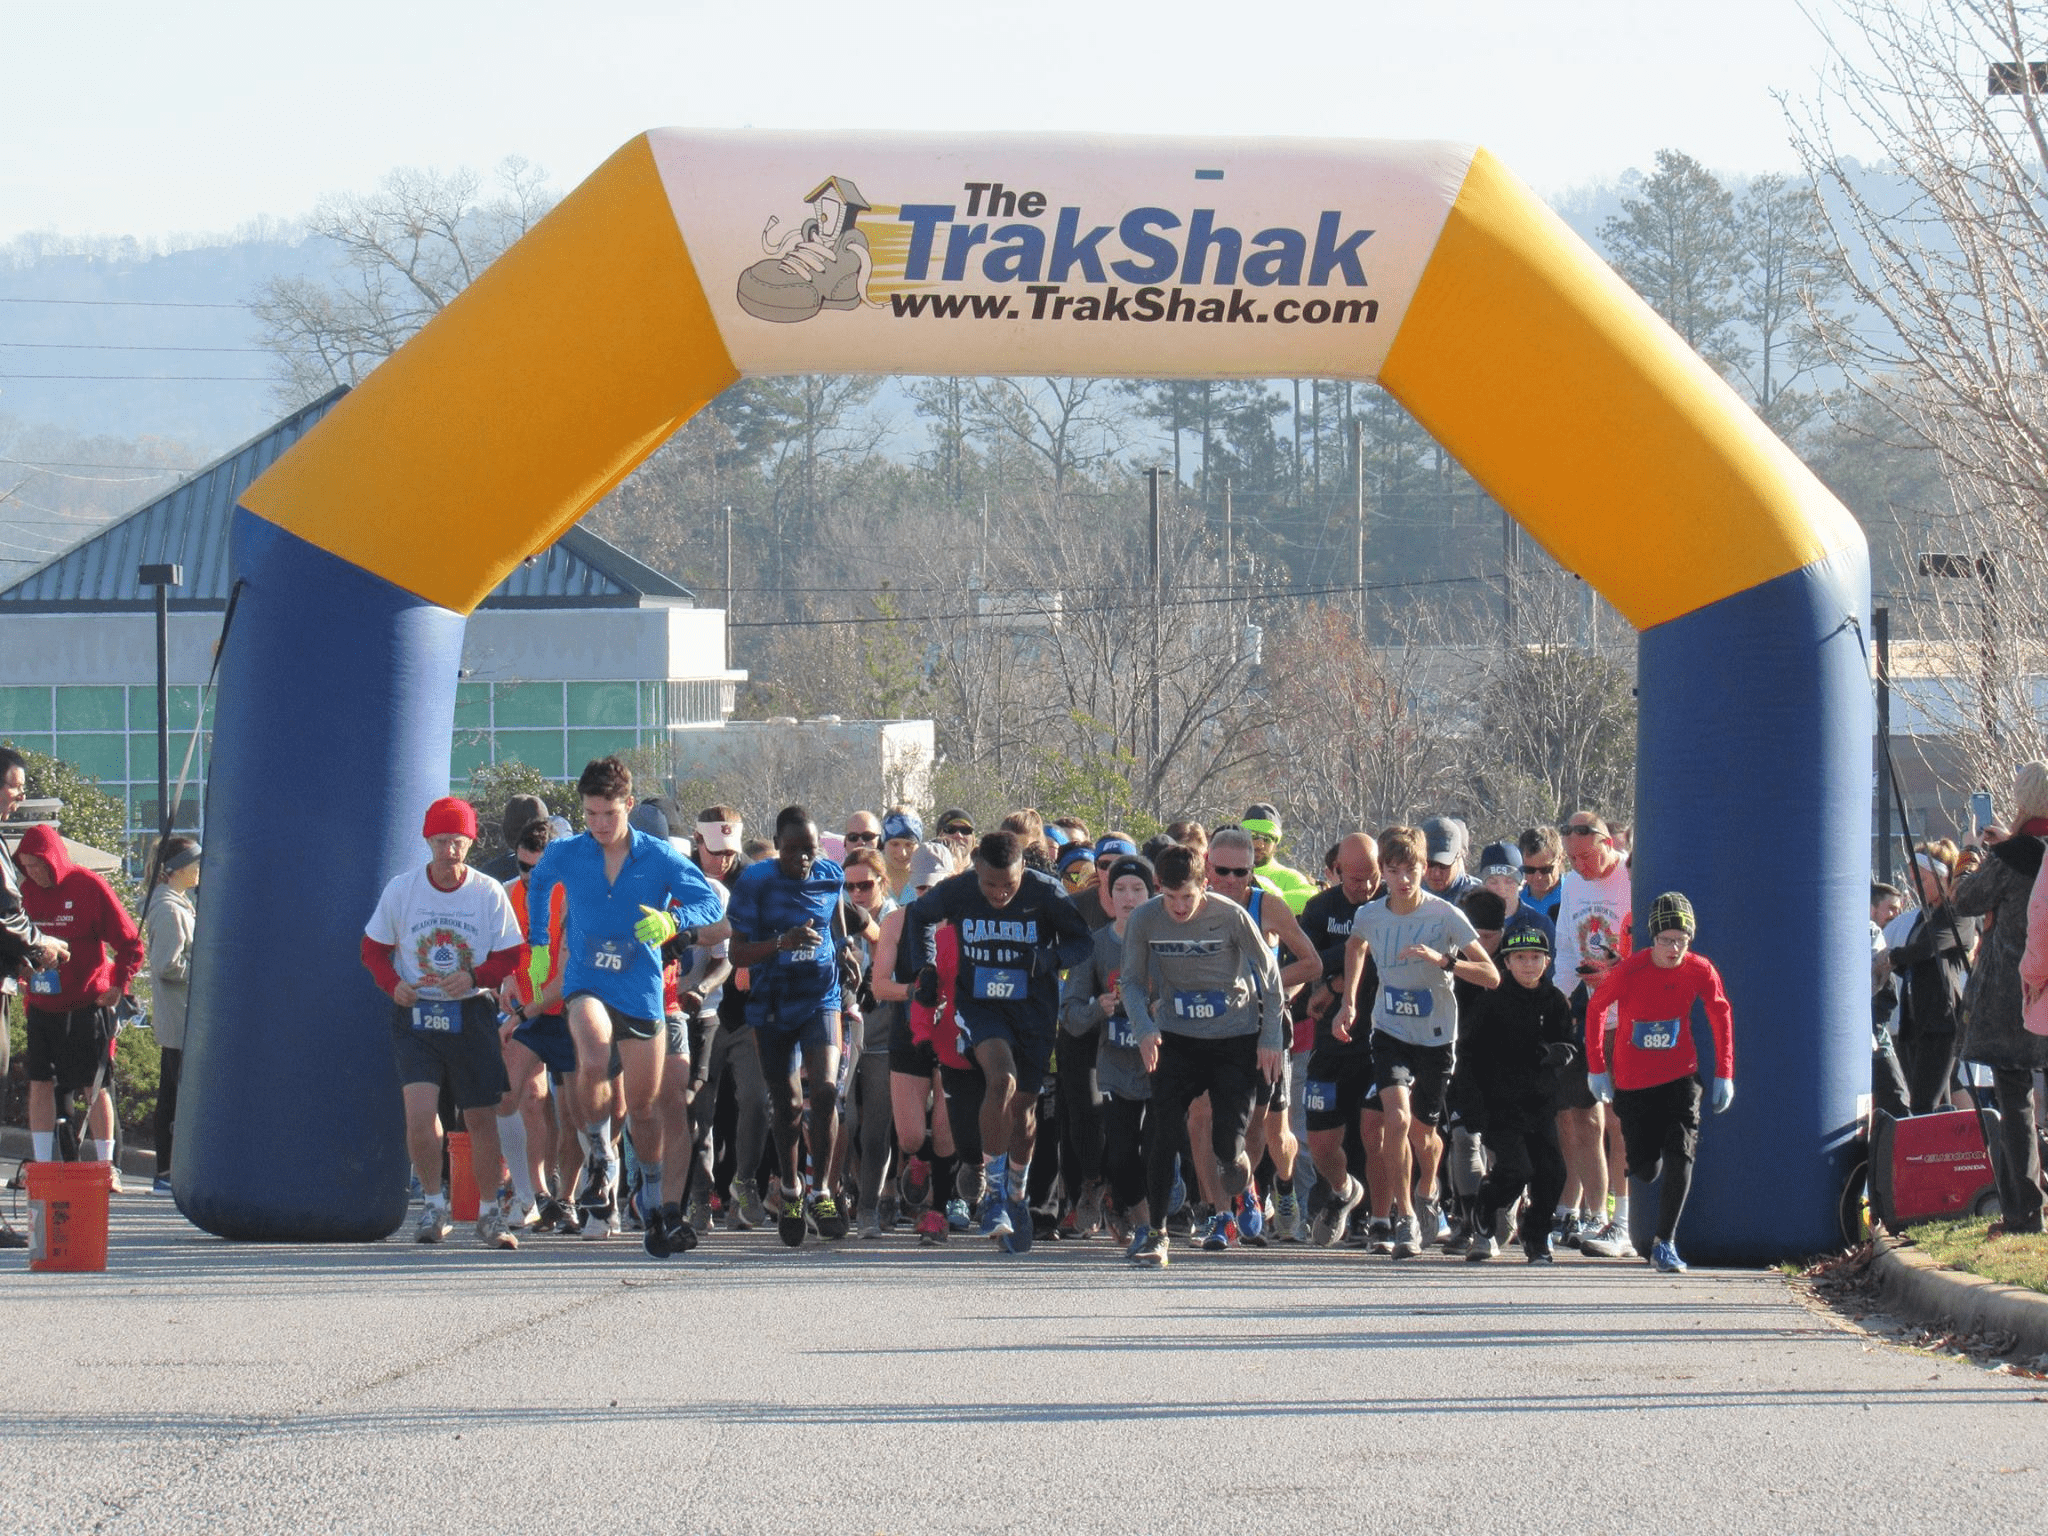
[[19, 938], [1502, 1045]]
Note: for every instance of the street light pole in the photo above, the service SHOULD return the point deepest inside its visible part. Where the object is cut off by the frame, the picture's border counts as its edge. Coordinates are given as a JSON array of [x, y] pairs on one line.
[[163, 578]]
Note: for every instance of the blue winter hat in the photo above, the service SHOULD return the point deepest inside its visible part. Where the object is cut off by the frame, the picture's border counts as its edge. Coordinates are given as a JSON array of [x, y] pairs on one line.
[[902, 824]]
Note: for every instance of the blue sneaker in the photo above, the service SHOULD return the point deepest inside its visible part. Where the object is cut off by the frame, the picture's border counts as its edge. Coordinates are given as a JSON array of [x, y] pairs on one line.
[[1665, 1257], [1021, 1233], [1137, 1241], [958, 1216], [1251, 1218], [995, 1218], [1221, 1234]]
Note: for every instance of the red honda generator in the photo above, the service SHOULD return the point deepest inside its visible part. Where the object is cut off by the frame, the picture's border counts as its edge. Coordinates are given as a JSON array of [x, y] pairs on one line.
[[1932, 1166]]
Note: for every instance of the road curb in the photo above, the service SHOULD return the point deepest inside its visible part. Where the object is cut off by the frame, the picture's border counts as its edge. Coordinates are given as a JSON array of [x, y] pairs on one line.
[[1912, 1283]]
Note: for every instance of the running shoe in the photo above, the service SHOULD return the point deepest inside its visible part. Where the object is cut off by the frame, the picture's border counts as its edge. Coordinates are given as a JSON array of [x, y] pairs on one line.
[[1480, 1248], [747, 1214], [554, 1217], [1330, 1220], [1251, 1219], [491, 1229], [1407, 1238], [1088, 1217], [931, 1229], [1430, 1223], [700, 1213], [594, 1194], [1023, 1228], [114, 1184], [1137, 1243], [870, 1223], [160, 1185], [434, 1223], [1608, 1242], [828, 1220], [1573, 1230], [1287, 1222], [654, 1235], [1460, 1238], [1539, 1251], [790, 1224], [995, 1219], [682, 1235], [916, 1183], [959, 1215], [1221, 1233], [1380, 1237], [523, 1215], [1152, 1252], [1665, 1256]]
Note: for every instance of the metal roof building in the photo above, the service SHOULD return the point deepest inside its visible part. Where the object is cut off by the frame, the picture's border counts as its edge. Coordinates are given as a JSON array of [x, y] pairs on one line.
[[580, 651]]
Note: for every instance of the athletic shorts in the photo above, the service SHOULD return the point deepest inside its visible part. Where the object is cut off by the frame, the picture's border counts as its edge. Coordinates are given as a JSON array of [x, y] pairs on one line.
[[1275, 1095], [909, 1055], [1657, 1123], [782, 1045], [1424, 1070], [1574, 1088], [1339, 1081], [1030, 1049], [624, 1025], [548, 1038], [68, 1048], [468, 1061]]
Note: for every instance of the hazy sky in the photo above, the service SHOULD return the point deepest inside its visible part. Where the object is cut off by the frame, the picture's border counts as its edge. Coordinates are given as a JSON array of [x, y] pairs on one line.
[[124, 118]]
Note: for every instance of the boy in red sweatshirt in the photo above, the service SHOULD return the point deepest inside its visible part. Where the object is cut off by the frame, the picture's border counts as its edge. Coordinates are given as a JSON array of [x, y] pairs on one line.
[[71, 1004], [1652, 1082]]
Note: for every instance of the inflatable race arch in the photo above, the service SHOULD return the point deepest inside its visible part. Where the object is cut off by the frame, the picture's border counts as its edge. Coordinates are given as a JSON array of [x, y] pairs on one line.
[[689, 260]]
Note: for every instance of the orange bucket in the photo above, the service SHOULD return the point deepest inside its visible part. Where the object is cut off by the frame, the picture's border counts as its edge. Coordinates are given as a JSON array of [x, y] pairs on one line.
[[462, 1197], [67, 1215]]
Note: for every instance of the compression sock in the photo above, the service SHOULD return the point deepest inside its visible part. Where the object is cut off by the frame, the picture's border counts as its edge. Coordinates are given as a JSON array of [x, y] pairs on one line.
[[102, 1151], [650, 1186], [942, 1179], [995, 1175], [44, 1146], [512, 1142], [1019, 1184], [597, 1139]]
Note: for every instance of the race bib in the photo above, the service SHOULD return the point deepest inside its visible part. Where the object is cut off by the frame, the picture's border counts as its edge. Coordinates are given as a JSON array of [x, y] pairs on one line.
[[437, 1018], [1655, 1034], [1117, 1029], [609, 957], [45, 984], [1408, 1002], [999, 983], [1198, 1005], [1321, 1096]]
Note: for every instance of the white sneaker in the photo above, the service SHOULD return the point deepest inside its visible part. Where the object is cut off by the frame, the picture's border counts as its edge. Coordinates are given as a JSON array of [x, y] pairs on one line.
[[1483, 1247], [116, 1186], [491, 1230], [522, 1214], [434, 1223], [1609, 1241]]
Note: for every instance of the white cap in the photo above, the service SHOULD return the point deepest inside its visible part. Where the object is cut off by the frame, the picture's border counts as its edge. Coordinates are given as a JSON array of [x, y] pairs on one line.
[[719, 836]]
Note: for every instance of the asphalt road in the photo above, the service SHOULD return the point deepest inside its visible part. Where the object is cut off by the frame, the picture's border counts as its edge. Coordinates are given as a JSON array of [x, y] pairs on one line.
[[201, 1385]]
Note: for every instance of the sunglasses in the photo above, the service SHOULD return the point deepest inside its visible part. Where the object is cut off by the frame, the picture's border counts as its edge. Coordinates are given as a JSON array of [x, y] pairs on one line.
[[1577, 832], [863, 837], [1233, 874], [860, 885], [1537, 869], [956, 830]]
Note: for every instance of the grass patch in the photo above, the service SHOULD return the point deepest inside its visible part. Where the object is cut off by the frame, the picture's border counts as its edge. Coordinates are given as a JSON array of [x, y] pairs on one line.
[[2021, 1261]]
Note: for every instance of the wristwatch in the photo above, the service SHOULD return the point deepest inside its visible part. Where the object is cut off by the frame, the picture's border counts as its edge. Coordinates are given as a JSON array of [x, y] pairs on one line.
[[1451, 961]]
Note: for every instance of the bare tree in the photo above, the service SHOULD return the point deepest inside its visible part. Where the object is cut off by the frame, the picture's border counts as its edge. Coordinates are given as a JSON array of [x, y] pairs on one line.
[[402, 253], [1948, 252]]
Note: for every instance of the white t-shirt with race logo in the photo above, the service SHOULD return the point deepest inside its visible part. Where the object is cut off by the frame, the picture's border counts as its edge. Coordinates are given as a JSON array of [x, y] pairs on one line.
[[1592, 921], [436, 932]]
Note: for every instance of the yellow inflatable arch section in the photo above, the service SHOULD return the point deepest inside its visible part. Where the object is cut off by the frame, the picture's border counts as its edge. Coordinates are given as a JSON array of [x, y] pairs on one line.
[[690, 260]]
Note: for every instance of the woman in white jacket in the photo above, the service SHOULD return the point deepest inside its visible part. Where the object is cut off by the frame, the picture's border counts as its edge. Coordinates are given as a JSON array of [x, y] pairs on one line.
[[167, 924]]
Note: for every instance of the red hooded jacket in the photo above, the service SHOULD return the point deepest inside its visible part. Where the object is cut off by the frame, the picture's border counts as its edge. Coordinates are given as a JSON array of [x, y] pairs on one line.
[[81, 909]]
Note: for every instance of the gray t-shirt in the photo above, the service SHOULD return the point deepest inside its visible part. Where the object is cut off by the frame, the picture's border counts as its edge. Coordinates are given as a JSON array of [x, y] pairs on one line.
[[1415, 1002], [1117, 1067], [1210, 977]]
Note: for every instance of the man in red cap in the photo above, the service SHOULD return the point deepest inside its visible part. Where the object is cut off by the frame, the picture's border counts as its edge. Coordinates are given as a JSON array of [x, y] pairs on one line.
[[441, 939], [71, 1002]]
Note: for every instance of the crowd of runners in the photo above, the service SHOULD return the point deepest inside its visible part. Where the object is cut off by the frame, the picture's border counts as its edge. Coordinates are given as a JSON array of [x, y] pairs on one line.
[[1031, 1033]]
